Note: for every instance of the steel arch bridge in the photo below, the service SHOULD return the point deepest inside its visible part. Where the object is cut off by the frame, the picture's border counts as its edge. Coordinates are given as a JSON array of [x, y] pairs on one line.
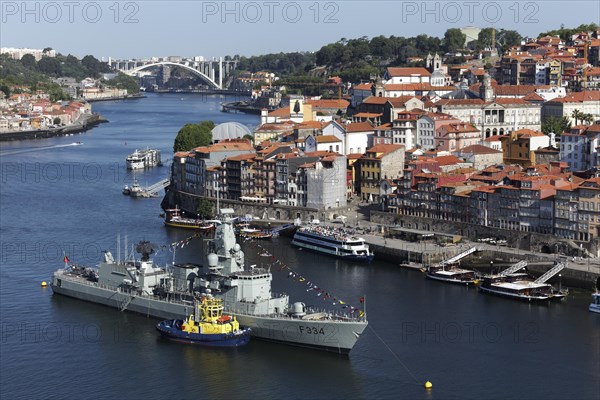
[[214, 84]]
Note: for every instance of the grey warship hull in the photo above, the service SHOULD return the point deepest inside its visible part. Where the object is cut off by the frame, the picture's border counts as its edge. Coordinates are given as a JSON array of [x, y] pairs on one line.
[[310, 332]]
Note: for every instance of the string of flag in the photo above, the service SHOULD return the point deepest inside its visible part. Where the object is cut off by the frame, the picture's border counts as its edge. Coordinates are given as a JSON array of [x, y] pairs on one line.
[[281, 266], [311, 286]]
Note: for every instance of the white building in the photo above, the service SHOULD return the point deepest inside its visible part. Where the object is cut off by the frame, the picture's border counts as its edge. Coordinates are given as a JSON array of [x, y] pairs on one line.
[[397, 75], [580, 148], [359, 137], [587, 102]]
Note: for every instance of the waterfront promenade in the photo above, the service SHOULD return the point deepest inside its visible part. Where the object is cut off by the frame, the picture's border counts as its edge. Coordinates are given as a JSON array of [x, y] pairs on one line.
[[579, 272]]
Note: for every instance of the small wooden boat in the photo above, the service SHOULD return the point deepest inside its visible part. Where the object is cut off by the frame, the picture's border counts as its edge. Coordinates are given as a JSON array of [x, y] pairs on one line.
[[451, 273], [174, 219], [207, 326], [251, 233]]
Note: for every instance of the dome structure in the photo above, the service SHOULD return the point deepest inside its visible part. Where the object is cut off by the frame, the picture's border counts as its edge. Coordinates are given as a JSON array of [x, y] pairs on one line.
[[229, 130]]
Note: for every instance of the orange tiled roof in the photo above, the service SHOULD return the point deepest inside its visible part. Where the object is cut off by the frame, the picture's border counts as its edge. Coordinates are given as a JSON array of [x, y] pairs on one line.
[[479, 149], [242, 157], [328, 103], [384, 149], [359, 127], [526, 133], [280, 112], [408, 71], [327, 139], [363, 86]]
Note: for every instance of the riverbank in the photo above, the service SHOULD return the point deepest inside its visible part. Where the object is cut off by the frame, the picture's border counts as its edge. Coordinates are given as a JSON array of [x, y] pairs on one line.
[[84, 123], [114, 98], [578, 273]]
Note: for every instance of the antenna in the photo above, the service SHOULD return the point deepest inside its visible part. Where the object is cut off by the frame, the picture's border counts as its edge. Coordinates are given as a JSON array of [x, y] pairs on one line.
[[119, 248]]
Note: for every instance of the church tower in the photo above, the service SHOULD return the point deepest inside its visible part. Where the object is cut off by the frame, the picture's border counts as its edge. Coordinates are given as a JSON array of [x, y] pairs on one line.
[[433, 63], [429, 62], [486, 90], [378, 88]]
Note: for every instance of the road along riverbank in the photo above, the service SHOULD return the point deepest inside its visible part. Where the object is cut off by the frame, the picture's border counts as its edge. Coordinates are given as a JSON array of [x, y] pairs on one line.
[[84, 123]]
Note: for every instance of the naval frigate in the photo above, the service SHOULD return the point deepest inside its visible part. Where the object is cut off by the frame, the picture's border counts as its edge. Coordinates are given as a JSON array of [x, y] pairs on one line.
[[169, 293]]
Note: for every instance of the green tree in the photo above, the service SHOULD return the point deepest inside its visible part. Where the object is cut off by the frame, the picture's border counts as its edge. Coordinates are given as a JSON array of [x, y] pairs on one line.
[[565, 33], [249, 138], [28, 61], [94, 66], [123, 81], [509, 39], [453, 40], [577, 116], [56, 121], [50, 66], [193, 135], [556, 125], [204, 208], [484, 39], [588, 118], [5, 89]]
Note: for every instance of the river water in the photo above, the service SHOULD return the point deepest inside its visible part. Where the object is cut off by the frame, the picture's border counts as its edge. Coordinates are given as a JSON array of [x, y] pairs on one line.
[[58, 198]]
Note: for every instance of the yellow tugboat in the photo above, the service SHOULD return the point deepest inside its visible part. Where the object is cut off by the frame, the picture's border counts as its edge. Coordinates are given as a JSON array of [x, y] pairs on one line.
[[207, 326]]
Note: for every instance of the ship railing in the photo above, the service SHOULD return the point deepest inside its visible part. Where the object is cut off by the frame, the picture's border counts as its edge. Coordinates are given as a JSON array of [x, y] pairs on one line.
[[331, 316]]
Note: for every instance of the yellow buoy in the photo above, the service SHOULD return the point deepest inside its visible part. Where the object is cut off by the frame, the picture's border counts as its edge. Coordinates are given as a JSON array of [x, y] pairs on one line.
[[44, 284], [428, 385]]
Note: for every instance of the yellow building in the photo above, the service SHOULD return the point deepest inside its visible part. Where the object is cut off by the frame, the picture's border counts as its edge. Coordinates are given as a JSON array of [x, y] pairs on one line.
[[519, 146], [382, 161]]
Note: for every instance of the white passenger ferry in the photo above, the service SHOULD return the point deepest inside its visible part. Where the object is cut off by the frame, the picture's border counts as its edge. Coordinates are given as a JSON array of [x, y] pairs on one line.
[[141, 159], [333, 241]]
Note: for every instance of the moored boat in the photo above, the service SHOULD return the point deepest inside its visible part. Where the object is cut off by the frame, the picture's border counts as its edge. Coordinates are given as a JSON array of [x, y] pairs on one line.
[[135, 190], [141, 159], [519, 286], [207, 326], [451, 273], [252, 233], [174, 219], [333, 241], [169, 293]]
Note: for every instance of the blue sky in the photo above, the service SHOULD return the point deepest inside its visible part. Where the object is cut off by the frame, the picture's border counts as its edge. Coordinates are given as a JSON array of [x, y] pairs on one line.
[[140, 29]]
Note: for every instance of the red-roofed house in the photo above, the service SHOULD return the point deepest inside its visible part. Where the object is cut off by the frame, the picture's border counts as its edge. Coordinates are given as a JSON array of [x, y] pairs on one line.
[[406, 75], [480, 156], [455, 136]]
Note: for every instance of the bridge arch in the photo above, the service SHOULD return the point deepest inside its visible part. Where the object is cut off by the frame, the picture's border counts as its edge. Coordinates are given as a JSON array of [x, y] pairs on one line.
[[157, 64]]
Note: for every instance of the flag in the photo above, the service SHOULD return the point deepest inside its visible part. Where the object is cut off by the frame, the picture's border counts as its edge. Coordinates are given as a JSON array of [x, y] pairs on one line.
[[362, 299], [66, 259]]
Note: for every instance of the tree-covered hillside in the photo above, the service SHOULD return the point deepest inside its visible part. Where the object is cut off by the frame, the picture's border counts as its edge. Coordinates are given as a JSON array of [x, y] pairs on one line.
[[39, 74]]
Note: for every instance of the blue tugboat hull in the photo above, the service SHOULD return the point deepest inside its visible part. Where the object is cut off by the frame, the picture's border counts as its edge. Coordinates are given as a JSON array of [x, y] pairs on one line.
[[168, 330]]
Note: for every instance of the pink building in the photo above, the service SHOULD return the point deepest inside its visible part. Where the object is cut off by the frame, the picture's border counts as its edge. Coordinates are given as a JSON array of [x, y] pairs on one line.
[[455, 136]]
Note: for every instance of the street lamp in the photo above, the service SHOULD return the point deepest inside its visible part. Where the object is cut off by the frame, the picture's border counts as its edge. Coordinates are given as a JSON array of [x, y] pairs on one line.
[[492, 267], [560, 282]]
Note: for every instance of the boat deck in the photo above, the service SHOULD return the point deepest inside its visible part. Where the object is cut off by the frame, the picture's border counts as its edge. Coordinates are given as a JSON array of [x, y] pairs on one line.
[[520, 285]]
